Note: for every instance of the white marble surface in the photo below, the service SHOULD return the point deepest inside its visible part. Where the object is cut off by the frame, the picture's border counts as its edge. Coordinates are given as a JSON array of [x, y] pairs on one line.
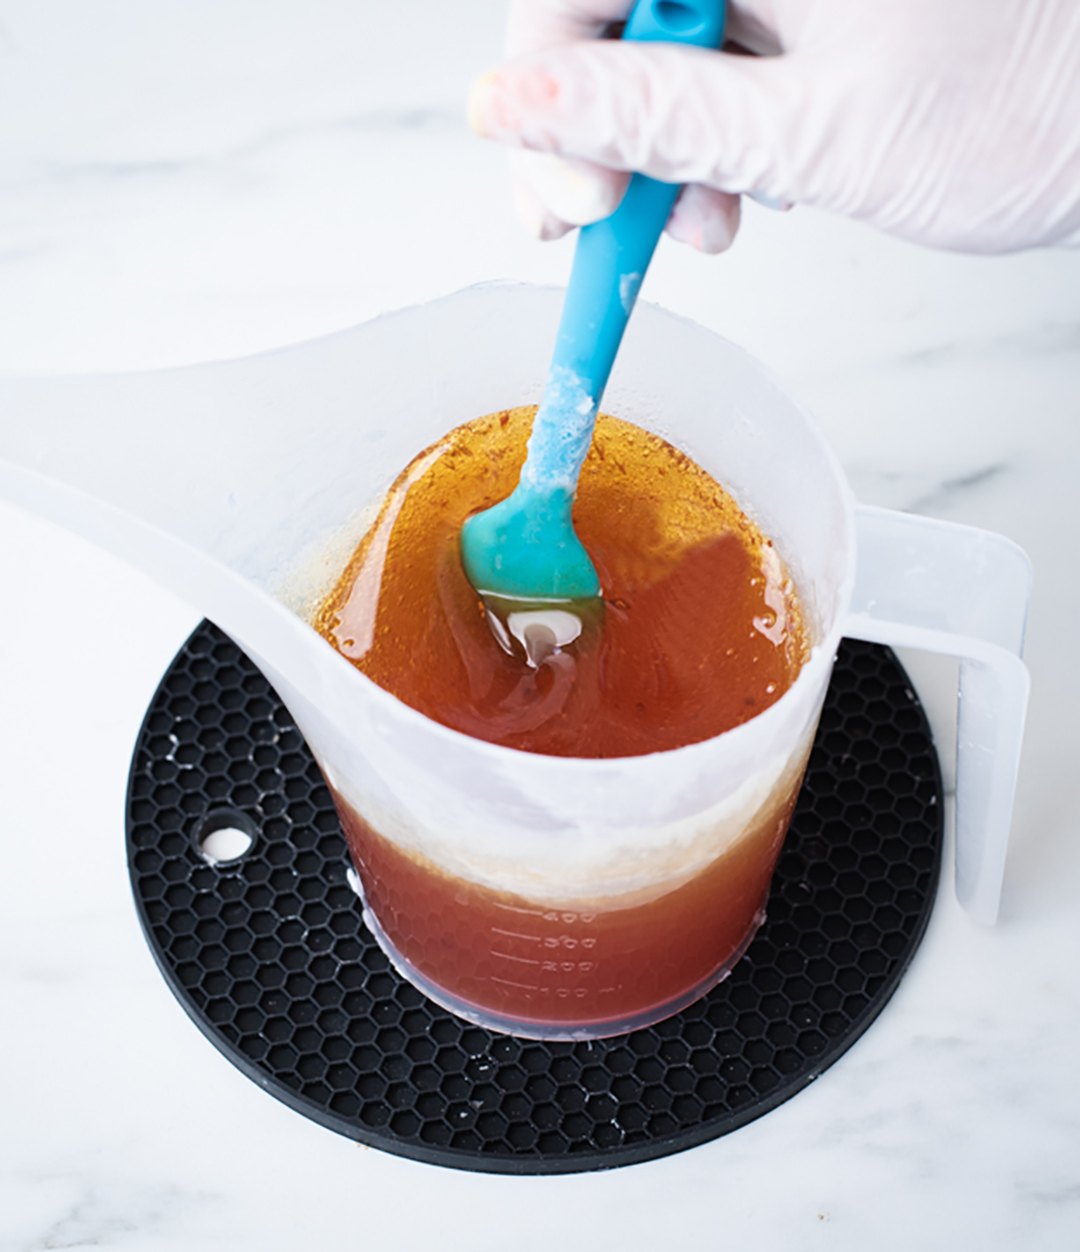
[[191, 179]]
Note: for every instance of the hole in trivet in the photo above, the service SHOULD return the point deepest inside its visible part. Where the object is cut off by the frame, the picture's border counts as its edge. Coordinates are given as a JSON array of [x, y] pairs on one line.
[[224, 836]]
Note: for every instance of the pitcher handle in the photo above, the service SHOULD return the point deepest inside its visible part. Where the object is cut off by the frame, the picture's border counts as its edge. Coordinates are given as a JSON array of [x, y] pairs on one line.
[[957, 590]]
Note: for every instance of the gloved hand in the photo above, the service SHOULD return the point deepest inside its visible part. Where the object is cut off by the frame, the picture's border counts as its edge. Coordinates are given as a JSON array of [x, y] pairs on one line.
[[952, 123]]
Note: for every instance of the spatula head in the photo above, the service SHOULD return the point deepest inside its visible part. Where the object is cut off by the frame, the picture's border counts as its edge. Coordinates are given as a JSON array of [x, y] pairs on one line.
[[525, 548]]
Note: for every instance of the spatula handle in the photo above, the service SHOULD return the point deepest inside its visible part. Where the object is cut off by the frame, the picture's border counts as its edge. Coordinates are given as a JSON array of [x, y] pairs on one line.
[[612, 255]]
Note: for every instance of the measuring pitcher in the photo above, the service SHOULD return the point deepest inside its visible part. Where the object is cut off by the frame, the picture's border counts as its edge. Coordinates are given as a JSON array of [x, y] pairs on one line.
[[244, 486]]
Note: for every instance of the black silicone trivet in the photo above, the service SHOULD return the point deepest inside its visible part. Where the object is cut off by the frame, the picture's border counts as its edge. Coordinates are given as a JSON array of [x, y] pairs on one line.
[[270, 958]]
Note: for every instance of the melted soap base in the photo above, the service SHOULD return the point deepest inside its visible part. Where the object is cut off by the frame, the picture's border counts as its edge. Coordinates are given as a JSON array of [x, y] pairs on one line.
[[598, 966], [700, 631]]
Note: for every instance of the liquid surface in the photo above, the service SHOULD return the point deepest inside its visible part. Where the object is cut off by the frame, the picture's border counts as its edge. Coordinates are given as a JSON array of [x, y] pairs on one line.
[[700, 629]]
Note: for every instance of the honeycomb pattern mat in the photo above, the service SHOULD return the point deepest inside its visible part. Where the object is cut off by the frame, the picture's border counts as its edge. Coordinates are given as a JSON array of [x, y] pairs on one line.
[[270, 958]]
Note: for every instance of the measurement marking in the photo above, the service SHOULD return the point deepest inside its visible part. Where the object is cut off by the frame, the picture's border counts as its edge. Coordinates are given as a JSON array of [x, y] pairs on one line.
[[513, 934], [521, 960], [524, 986], [510, 908]]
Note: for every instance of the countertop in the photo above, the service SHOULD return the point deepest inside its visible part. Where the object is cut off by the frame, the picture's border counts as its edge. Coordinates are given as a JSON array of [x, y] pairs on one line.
[[193, 181]]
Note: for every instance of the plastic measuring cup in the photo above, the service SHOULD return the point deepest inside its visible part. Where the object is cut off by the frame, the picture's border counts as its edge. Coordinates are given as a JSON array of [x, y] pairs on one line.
[[242, 486]]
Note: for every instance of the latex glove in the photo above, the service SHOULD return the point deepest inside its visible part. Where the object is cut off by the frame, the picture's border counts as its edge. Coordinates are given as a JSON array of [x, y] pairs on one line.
[[953, 123]]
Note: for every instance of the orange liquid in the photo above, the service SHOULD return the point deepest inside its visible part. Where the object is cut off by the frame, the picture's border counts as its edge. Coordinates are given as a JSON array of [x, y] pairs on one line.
[[614, 961], [701, 629], [701, 632]]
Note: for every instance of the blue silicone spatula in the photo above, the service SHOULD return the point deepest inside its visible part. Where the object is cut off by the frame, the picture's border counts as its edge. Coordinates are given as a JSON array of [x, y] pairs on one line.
[[522, 556]]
